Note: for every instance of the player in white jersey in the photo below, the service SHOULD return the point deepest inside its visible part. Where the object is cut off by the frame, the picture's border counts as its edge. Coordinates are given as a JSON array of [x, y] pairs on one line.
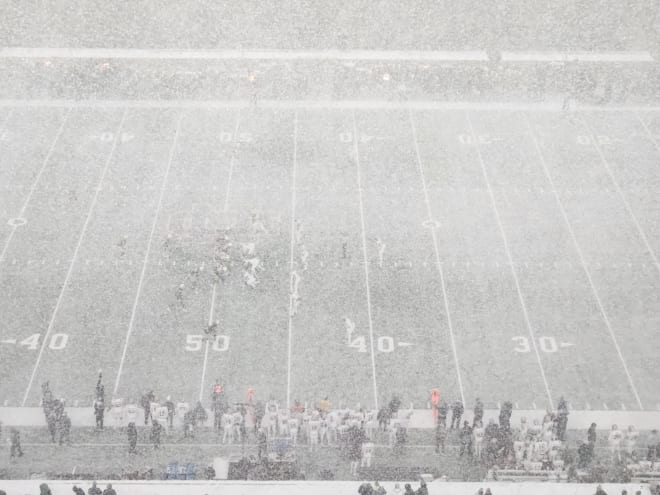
[[314, 429], [350, 328], [247, 249], [257, 224], [380, 245], [227, 428], [632, 435], [293, 429], [478, 432], [253, 265], [250, 280], [304, 256]]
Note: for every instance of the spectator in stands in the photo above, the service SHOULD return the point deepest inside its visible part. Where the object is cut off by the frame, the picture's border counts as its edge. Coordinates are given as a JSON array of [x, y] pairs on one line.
[[99, 411], [171, 408], [156, 432], [65, 429], [652, 446], [378, 489], [466, 440], [365, 489], [614, 442], [132, 438], [600, 491], [478, 412], [562, 419], [442, 413], [15, 440], [209, 473], [457, 410], [109, 490], [440, 436], [94, 490]]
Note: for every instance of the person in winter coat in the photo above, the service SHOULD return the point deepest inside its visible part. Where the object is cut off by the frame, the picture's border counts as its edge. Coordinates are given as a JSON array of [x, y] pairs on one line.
[[109, 490], [94, 490], [44, 489], [466, 440], [156, 432], [457, 410], [132, 438], [77, 490]]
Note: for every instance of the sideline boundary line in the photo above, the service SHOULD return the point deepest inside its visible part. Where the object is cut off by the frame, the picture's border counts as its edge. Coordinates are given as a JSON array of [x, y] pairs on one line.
[[633, 56], [264, 54], [552, 105]]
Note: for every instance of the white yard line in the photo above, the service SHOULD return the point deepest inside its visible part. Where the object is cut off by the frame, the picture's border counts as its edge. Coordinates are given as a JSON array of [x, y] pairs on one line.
[[206, 350], [606, 165], [648, 131], [291, 250], [232, 161], [65, 284], [577, 56], [554, 105], [34, 184], [578, 249], [265, 54], [511, 263], [365, 260], [163, 187], [438, 263]]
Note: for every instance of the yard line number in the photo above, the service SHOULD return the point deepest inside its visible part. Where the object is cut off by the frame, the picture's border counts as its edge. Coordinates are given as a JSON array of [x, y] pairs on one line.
[[57, 342], [384, 343], [195, 343], [546, 344]]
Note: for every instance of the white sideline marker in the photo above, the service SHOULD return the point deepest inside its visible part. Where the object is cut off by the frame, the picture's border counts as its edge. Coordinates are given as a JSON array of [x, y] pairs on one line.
[[211, 54], [577, 56]]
